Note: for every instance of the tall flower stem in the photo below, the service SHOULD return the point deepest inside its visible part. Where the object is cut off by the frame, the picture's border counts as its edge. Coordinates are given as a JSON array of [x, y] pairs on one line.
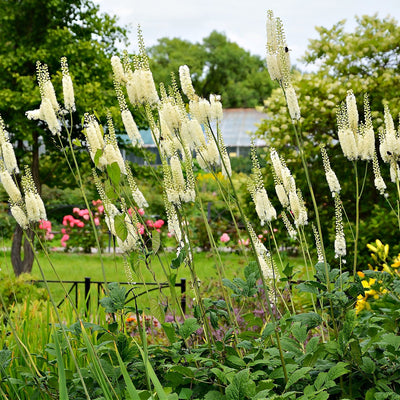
[[78, 178], [236, 199]]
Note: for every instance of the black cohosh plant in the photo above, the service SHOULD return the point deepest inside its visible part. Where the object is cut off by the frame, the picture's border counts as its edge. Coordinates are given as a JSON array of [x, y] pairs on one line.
[[312, 348]]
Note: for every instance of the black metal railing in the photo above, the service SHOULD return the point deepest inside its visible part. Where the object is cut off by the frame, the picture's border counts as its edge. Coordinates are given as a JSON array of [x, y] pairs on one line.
[[88, 282]]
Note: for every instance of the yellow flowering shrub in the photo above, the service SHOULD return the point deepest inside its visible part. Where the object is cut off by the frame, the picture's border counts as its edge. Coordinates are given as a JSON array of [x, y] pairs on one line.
[[373, 288]]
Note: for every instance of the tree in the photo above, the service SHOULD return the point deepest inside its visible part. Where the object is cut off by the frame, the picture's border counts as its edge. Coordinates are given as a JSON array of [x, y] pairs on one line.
[[32, 30], [217, 66], [366, 60]]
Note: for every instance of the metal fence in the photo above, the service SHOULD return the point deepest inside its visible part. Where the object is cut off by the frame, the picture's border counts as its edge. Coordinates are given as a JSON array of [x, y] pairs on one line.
[[87, 283]]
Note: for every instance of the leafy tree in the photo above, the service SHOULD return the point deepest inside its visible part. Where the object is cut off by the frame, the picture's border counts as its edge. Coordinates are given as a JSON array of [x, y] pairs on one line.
[[32, 30], [366, 60], [217, 66]]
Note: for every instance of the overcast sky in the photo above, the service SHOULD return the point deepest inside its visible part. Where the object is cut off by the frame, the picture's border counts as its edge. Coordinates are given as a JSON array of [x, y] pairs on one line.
[[242, 21]]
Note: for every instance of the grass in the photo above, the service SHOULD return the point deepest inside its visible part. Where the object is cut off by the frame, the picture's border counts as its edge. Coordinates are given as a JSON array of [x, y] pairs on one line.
[[78, 266]]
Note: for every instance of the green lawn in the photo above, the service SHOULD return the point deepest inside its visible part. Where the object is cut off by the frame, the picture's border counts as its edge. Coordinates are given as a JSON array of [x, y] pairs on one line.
[[76, 267]]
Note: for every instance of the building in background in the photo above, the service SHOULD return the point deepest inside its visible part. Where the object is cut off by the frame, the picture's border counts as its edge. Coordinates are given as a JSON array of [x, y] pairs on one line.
[[237, 127]]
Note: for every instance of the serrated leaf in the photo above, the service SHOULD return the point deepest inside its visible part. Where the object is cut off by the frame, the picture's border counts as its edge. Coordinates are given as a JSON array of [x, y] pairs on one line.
[[311, 287], [268, 330], [114, 173], [120, 227], [297, 375], [156, 310], [235, 361], [368, 366], [214, 395], [312, 344], [392, 340], [169, 330], [299, 331], [241, 387], [310, 319], [185, 394], [182, 370], [337, 370], [188, 327]]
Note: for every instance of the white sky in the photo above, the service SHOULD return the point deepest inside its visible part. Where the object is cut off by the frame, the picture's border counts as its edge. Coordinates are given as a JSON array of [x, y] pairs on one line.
[[242, 21]]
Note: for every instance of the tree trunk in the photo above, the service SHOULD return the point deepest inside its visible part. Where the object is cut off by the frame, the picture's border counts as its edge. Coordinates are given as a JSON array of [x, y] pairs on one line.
[[22, 255], [22, 265]]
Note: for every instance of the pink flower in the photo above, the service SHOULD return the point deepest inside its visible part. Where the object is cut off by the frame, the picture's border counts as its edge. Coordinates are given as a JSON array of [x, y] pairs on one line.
[[86, 217], [140, 228], [150, 223], [63, 230], [260, 236], [63, 244], [159, 223], [65, 238], [225, 238], [130, 211], [244, 242], [275, 230], [51, 236], [169, 234], [84, 212], [80, 224], [100, 209], [97, 221], [76, 210], [72, 224], [140, 212]]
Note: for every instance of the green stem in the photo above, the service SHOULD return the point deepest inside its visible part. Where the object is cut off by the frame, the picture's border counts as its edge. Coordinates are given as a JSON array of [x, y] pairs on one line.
[[357, 220]]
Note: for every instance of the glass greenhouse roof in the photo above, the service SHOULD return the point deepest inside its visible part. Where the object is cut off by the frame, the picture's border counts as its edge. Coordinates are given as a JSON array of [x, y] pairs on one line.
[[238, 126]]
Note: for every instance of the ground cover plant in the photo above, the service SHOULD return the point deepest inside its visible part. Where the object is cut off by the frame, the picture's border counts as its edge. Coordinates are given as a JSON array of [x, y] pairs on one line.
[[329, 330]]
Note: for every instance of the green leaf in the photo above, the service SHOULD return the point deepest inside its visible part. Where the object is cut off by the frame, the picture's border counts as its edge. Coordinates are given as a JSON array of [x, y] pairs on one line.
[[176, 262], [299, 331], [337, 370], [311, 287], [310, 319], [5, 358], [169, 330], [268, 330], [99, 153], [214, 395], [133, 393], [156, 309], [109, 190], [116, 298], [114, 173], [188, 327], [185, 394], [235, 361], [155, 241], [242, 387], [392, 340], [62, 381], [368, 366], [150, 371], [120, 226], [312, 344], [77, 143], [297, 375]]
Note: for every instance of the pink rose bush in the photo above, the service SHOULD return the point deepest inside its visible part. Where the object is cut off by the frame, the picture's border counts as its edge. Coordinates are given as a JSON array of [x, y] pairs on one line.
[[77, 229], [46, 230]]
